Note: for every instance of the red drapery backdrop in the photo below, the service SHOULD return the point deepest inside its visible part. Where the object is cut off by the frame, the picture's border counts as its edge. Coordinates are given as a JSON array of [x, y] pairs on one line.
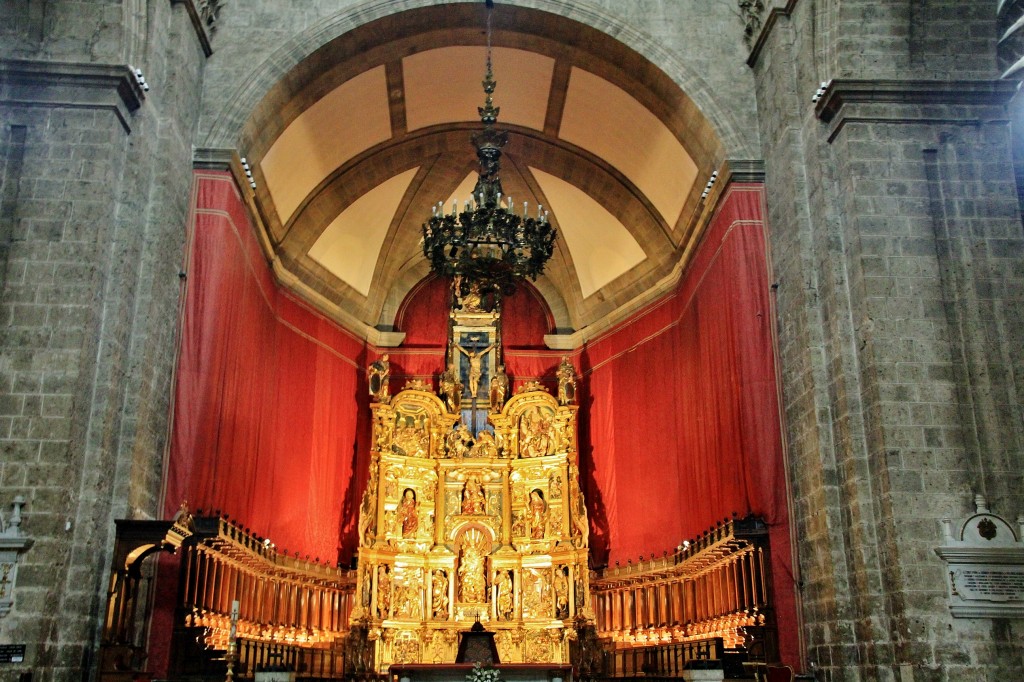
[[270, 401], [681, 427], [271, 410]]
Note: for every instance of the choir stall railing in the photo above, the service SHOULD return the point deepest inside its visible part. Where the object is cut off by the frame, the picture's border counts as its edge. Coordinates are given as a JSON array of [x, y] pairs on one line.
[[290, 611], [715, 588]]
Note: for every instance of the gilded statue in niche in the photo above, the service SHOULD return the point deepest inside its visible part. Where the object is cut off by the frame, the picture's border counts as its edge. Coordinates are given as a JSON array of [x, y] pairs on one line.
[[535, 432], [367, 582], [450, 388], [407, 514], [580, 530], [561, 589], [439, 594], [538, 513], [383, 591], [506, 596], [472, 573], [580, 590], [368, 513], [474, 500]]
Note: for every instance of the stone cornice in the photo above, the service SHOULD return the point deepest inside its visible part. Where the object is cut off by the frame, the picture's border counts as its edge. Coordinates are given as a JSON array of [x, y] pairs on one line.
[[74, 85], [744, 170], [209, 158], [973, 93], [913, 101]]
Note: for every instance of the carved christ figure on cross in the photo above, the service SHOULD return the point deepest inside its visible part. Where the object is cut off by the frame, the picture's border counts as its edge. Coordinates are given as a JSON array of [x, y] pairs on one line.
[[475, 367]]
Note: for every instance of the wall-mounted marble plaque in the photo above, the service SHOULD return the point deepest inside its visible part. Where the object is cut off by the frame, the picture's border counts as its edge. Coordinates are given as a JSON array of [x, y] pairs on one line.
[[985, 565]]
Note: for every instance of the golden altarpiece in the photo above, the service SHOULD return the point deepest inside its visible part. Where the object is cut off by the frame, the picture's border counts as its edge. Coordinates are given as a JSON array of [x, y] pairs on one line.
[[473, 509]]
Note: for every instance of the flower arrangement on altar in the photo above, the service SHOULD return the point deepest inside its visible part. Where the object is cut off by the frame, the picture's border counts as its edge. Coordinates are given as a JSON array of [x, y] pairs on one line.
[[480, 673]]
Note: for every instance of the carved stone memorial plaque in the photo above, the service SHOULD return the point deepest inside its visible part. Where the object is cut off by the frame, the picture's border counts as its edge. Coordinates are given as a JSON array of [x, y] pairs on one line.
[[985, 566]]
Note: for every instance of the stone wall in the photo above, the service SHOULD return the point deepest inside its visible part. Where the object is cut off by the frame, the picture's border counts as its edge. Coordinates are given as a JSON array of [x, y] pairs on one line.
[[95, 193], [897, 241]]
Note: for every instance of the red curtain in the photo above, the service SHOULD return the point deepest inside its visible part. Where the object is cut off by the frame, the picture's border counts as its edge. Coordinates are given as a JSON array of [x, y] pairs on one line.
[[270, 401], [423, 314], [681, 426], [525, 319], [679, 420]]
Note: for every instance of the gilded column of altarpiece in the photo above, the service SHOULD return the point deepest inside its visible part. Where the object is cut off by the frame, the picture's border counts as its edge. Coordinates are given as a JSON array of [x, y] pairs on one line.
[[456, 527]]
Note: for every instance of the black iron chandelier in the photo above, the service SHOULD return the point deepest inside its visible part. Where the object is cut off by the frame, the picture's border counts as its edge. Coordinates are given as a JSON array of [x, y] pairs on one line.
[[488, 245]]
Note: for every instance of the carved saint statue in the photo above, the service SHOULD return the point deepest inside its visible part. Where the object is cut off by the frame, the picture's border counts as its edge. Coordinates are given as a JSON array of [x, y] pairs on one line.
[[561, 588], [407, 515], [383, 591], [475, 367], [472, 587], [566, 382], [377, 376], [468, 298], [499, 389], [439, 594], [474, 500], [505, 595], [538, 514], [450, 388]]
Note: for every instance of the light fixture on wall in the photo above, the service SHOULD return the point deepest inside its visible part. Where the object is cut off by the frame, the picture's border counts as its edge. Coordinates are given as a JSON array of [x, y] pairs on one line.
[[489, 244]]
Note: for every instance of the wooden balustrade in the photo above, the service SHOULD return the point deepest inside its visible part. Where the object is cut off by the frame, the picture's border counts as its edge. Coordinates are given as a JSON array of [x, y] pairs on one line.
[[668, 660], [281, 599], [713, 588], [308, 663], [289, 609]]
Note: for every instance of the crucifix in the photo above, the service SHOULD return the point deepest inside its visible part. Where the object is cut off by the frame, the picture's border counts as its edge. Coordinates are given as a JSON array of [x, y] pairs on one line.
[[475, 368]]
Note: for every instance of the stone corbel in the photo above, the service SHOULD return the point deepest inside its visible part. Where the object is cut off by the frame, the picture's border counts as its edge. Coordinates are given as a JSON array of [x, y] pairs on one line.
[[12, 543], [203, 15]]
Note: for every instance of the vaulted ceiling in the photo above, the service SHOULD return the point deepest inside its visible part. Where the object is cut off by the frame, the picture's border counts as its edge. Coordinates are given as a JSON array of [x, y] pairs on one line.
[[353, 147]]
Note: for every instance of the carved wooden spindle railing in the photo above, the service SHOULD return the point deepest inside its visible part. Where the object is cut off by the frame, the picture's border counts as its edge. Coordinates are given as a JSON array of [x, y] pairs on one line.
[[283, 600], [714, 589]]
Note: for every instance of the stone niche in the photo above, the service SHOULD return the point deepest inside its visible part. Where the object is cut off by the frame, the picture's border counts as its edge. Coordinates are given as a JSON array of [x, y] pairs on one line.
[[984, 565]]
